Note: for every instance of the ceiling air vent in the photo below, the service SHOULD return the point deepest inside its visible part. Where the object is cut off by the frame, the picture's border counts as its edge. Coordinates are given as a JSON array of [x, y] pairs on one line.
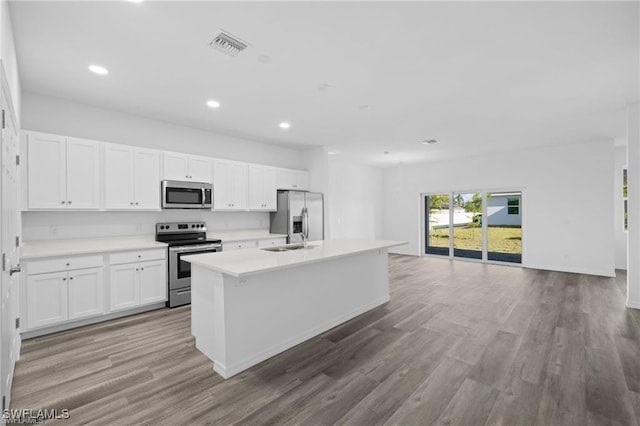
[[225, 42]]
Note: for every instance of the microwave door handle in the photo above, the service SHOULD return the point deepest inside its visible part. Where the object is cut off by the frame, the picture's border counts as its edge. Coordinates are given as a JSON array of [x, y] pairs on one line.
[[204, 198]]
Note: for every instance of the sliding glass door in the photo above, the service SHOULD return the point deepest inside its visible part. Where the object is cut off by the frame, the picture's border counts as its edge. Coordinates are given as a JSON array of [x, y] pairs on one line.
[[504, 226], [474, 225], [437, 224], [467, 225]]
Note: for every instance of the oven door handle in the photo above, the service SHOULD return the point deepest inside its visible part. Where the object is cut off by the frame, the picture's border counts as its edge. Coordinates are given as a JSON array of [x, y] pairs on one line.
[[186, 249]]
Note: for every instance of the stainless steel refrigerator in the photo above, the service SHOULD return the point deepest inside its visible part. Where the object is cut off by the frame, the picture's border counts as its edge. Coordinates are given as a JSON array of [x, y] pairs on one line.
[[297, 212]]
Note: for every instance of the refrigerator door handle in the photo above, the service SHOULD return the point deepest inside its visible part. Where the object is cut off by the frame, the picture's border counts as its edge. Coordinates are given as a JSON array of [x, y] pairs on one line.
[[305, 223]]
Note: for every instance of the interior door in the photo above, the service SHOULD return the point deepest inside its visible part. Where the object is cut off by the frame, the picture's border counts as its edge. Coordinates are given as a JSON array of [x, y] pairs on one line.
[[9, 225]]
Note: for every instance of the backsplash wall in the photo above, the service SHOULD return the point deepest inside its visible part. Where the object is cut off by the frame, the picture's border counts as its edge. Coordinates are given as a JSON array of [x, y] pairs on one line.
[[69, 225]]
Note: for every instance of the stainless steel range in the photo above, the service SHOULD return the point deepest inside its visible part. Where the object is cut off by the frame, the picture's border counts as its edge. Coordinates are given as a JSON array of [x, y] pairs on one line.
[[183, 238]]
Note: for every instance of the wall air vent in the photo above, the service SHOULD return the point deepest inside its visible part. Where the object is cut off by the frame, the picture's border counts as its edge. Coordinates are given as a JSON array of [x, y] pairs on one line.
[[225, 42]]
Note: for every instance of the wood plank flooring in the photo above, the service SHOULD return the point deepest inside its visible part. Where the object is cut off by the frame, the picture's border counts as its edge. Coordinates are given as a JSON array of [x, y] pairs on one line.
[[460, 343]]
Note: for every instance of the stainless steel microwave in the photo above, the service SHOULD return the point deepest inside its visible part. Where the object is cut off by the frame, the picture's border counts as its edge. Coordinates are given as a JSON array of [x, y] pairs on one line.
[[186, 195]]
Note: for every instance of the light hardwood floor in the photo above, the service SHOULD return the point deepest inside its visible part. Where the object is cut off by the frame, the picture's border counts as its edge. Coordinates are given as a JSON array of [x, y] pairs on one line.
[[459, 343]]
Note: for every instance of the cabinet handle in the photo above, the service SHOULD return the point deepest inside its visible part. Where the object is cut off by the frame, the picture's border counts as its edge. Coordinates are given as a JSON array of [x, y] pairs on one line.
[[139, 256], [131, 203], [63, 202], [68, 264], [142, 269], [136, 204], [64, 279], [70, 278], [68, 202], [137, 269]]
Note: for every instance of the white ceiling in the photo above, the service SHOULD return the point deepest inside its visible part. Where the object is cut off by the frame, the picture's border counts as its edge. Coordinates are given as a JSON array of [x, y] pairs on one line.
[[479, 77]]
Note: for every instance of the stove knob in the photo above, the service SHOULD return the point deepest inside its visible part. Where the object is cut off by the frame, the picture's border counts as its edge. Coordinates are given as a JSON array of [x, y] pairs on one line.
[[161, 226], [193, 226]]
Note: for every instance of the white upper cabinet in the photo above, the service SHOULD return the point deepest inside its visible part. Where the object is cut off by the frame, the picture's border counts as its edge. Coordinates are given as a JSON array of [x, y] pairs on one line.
[[184, 167], [132, 178], [63, 173], [293, 179], [262, 188], [83, 174], [119, 175], [147, 179], [230, 185]]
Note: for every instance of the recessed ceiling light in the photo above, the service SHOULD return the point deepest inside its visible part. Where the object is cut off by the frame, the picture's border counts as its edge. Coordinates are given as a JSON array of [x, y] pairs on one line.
[[213, 104], [429, 142], [285, 125], [136, 1], [97, 69]]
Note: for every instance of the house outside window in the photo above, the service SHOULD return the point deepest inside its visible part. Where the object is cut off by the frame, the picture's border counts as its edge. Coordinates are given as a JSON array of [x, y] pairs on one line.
[[513, 206]]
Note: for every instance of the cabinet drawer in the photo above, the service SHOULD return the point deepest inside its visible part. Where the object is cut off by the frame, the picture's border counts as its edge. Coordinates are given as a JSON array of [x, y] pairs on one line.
[[137, 256], [272, 242], [64, 264], [238, 245]]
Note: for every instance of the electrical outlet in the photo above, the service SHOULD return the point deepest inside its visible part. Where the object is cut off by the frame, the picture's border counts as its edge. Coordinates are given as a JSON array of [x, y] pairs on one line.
[[53, 230]]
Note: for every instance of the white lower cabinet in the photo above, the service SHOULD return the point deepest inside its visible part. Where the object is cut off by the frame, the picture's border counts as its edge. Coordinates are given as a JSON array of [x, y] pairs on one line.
[[238, 245], [137, 284], [61, 296], [86, 290], [47, 299], [124, 288]]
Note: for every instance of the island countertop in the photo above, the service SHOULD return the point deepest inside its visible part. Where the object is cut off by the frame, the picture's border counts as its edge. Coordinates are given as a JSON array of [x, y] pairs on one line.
[[239, 263]]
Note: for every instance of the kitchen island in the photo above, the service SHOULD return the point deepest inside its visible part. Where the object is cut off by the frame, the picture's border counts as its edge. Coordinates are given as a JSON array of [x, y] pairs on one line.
[[249, 305]]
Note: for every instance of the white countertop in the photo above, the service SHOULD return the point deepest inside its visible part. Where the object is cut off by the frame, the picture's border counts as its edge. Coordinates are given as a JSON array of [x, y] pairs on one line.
[[240, 263], [50, 248], [243, 235]]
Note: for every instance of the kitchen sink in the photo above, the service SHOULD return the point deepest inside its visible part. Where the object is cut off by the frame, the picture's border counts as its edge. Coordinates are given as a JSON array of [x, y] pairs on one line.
[[288, 247]]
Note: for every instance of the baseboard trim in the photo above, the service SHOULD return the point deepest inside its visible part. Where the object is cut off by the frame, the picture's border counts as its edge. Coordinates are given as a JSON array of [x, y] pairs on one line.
[[88, 321], [611, 273], [633, 305], [230, 371]]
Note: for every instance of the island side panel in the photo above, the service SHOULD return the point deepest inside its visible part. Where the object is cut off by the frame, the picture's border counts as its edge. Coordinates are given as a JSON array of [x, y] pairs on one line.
[[266, 314], [208, 313]]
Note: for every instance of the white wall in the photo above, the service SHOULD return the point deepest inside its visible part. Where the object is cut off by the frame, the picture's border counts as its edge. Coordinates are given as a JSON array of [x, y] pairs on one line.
[[68, 225], [355, 199], [620, 235], [633, 242], [51, 115], [567, 201], [317, 162]]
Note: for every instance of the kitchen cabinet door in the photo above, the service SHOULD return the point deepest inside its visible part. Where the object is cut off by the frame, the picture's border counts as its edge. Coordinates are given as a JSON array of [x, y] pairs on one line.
[[301, 180], [222, 185], [285, 179], [239, 185], [83, 174], [200, 169], [86, 291], [124, 287], [147, 179], [46, 176], [47, 300], [176, 166], [262, 188], [270, 189], [119, 175], [153, 282]]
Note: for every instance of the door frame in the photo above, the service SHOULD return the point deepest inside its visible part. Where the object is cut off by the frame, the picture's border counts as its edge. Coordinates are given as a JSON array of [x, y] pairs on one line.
[[10, 117], [484, 192]]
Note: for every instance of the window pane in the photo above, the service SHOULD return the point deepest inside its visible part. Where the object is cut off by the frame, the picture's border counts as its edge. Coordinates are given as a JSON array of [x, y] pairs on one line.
[[504, 227], [437, 226], [467, 225]]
